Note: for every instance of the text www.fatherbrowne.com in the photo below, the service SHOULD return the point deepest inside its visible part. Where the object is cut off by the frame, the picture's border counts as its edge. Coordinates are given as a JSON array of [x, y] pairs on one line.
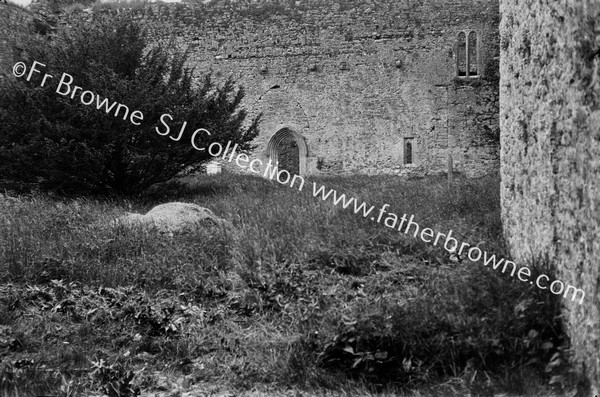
[[272, 171], [475, 254], [391, 220]]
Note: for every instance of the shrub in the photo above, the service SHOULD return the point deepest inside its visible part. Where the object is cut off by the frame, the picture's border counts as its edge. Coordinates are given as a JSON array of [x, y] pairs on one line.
[[58, 143]]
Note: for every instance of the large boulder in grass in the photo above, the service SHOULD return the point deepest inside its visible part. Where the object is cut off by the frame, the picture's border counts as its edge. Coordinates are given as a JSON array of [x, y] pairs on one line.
[[171, 218]]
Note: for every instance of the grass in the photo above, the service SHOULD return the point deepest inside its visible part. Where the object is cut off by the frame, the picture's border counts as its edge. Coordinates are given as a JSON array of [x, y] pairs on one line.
[[301, 295]]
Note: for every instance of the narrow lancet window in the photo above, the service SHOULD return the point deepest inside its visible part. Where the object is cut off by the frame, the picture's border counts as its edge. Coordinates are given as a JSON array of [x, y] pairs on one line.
[[472, 46], [408, 151], [461, 55]]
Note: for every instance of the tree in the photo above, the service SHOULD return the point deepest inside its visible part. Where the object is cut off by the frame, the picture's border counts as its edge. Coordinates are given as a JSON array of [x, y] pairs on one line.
[[59, 143]]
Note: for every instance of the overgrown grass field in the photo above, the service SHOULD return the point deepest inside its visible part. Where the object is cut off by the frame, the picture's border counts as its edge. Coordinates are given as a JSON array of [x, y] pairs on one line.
[[302, 295]]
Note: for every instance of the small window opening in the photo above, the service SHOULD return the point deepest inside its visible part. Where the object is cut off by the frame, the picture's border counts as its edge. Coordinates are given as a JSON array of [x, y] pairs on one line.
[[408, 150], [462, 54], [472, 46]]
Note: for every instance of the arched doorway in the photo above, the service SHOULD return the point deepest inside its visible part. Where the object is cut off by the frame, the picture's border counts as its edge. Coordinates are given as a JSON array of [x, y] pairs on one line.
[[288, 149]]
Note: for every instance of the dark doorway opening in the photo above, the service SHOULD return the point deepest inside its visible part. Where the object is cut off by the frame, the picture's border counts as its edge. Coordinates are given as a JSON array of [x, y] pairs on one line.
[[288, 155]]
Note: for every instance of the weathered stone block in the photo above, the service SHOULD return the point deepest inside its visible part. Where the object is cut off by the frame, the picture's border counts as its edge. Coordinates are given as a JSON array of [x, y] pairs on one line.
[[171, 218]]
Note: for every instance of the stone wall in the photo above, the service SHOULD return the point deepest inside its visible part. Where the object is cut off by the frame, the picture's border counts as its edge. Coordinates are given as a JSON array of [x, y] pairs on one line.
[[550, 158], [353, 77], [13, 20]]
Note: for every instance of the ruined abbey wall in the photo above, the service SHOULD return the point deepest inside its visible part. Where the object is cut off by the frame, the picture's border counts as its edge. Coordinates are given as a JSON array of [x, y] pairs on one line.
[[353, 78], [550, 124]]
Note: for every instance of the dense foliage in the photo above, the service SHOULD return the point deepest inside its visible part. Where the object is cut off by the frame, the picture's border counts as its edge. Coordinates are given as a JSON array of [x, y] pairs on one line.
[[58, 143]]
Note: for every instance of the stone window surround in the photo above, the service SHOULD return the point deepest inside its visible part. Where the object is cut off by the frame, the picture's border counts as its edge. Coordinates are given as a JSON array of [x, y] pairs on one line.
[[477, 54]]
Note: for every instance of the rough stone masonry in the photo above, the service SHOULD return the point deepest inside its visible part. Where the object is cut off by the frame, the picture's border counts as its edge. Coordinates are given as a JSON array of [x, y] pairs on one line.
[[360, 86], [352, 86], [550, 157]]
